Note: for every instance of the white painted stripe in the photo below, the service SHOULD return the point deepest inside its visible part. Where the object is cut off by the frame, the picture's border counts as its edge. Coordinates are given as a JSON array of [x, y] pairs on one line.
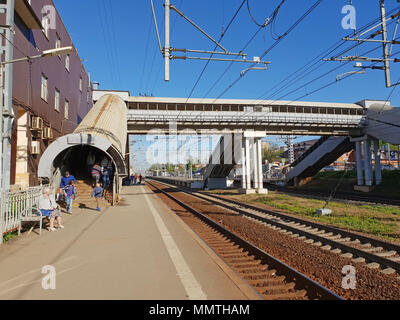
[[189, 282]]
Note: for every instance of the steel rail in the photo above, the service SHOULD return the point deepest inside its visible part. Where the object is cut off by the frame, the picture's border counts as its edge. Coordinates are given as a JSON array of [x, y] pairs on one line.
[[321, 227], [289, 272]]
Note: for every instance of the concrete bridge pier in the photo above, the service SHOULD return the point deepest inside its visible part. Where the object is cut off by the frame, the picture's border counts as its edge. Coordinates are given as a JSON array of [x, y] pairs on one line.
[[251, 158], [378, 167], [365, 172]]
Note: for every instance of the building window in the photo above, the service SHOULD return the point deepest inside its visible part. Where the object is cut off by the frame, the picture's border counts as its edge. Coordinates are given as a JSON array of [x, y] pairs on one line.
[[80, 84], [43, 92], [57, 99], [46, 26], [58, 41], [67, 62], [66, 109]]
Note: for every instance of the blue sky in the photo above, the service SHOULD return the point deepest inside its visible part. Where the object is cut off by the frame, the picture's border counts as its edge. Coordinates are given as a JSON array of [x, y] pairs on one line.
[[117, 39]]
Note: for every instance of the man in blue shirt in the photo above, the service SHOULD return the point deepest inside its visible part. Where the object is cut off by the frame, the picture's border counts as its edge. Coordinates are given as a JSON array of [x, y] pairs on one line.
[[66, 179]]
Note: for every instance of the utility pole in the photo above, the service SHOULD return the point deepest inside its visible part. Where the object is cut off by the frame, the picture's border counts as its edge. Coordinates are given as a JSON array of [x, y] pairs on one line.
[[385, 44], [7, 113], [167, 50], [289, 143], [167, 44]]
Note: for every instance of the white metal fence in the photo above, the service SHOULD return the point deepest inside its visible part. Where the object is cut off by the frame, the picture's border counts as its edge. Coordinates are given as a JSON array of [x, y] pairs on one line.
[[13, 204]]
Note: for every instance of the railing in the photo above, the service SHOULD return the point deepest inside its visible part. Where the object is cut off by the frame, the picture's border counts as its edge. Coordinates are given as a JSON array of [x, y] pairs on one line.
[[13, 204], [236, 117]]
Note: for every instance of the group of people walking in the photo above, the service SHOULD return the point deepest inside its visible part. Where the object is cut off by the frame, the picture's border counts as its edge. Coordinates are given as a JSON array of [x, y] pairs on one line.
[[136, 179], [49, 205], [100, 170]]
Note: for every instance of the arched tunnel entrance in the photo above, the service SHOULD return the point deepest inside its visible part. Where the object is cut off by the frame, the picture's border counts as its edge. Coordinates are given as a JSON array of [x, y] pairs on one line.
[[79, 161], [99, 139]]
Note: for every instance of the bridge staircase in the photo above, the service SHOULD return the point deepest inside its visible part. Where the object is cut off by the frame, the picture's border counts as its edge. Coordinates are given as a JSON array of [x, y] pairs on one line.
[[325, 151], [83, 199], [220, 163]]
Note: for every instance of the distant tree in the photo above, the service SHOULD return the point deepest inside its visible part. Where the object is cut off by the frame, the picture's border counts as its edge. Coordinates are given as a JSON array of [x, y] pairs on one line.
[[271, 154]]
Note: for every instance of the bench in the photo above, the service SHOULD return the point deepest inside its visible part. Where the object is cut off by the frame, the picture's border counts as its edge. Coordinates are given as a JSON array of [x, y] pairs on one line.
[[31, 215]]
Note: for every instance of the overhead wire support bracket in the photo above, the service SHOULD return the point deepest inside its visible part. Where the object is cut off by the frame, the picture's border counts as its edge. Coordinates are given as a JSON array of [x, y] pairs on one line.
[[345, 59], [371, 40], [156, 25], [210, 52], [218, 59], [387, 44], [197, 27]]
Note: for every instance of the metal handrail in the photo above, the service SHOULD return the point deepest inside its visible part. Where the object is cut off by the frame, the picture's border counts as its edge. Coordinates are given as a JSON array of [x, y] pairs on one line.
[[14, 205]]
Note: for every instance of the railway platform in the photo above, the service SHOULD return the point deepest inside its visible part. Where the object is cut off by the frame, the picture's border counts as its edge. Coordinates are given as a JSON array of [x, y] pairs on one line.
[[137, 250]]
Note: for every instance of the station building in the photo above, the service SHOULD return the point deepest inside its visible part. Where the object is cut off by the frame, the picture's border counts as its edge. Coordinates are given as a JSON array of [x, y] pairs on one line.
[[51, 95]]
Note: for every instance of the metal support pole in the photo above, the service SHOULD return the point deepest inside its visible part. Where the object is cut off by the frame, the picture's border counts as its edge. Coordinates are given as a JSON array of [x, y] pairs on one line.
[[360, 175], [1, 124], [243, 156], [167, 44], [1, 215], [255, 163], [248, 172], [260, 165], [378, 167], [385, 44], [368, 162], [8, 112]]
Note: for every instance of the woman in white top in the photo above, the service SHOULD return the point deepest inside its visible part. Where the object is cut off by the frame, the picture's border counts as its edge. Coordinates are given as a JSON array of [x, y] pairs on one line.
[[49, 208]]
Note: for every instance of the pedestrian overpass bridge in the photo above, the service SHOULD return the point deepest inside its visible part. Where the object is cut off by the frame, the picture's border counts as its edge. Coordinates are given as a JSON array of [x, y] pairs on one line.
[[116, 114], [271, 117]]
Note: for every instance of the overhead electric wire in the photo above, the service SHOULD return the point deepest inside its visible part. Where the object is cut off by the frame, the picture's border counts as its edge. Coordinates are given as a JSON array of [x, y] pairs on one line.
[[157, 77], [110, 36], [106, 43], [306, 14], [317, 60], [254, 20], [325, 74], [271, 17], [114, 40], [345, 77], [303, 76], [230, 64], [145, 54], [208, 61]]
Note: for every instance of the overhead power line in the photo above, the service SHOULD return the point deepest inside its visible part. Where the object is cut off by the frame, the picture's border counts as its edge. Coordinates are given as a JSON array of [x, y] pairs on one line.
[[317, 61], [220, 38], [298, 21], [270, 18]]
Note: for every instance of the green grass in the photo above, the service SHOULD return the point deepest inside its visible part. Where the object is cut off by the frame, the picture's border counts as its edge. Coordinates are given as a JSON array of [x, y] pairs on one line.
[[10, 235], [327, 181], [379, 220]]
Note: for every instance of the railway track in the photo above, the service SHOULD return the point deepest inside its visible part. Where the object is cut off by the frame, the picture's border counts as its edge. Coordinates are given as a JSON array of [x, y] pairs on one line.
[[338, 195], [376, 254], [271, 278], [324, 195]]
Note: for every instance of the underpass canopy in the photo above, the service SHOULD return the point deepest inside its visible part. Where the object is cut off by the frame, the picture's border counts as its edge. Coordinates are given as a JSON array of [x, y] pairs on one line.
[[103, 129]]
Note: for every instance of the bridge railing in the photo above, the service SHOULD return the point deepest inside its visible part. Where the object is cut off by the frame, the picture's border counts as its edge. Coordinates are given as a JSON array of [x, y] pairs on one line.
[[253, 117]]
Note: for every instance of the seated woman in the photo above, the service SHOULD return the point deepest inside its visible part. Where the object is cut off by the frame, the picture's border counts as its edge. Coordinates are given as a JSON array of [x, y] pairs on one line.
[[49, 208]]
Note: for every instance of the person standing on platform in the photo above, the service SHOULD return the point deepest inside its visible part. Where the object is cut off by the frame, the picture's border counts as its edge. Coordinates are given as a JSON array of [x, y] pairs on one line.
[[64, 183], [136, 178], [70, 194], [132, 178], [140, 178], [97, 193], [97, 172]]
